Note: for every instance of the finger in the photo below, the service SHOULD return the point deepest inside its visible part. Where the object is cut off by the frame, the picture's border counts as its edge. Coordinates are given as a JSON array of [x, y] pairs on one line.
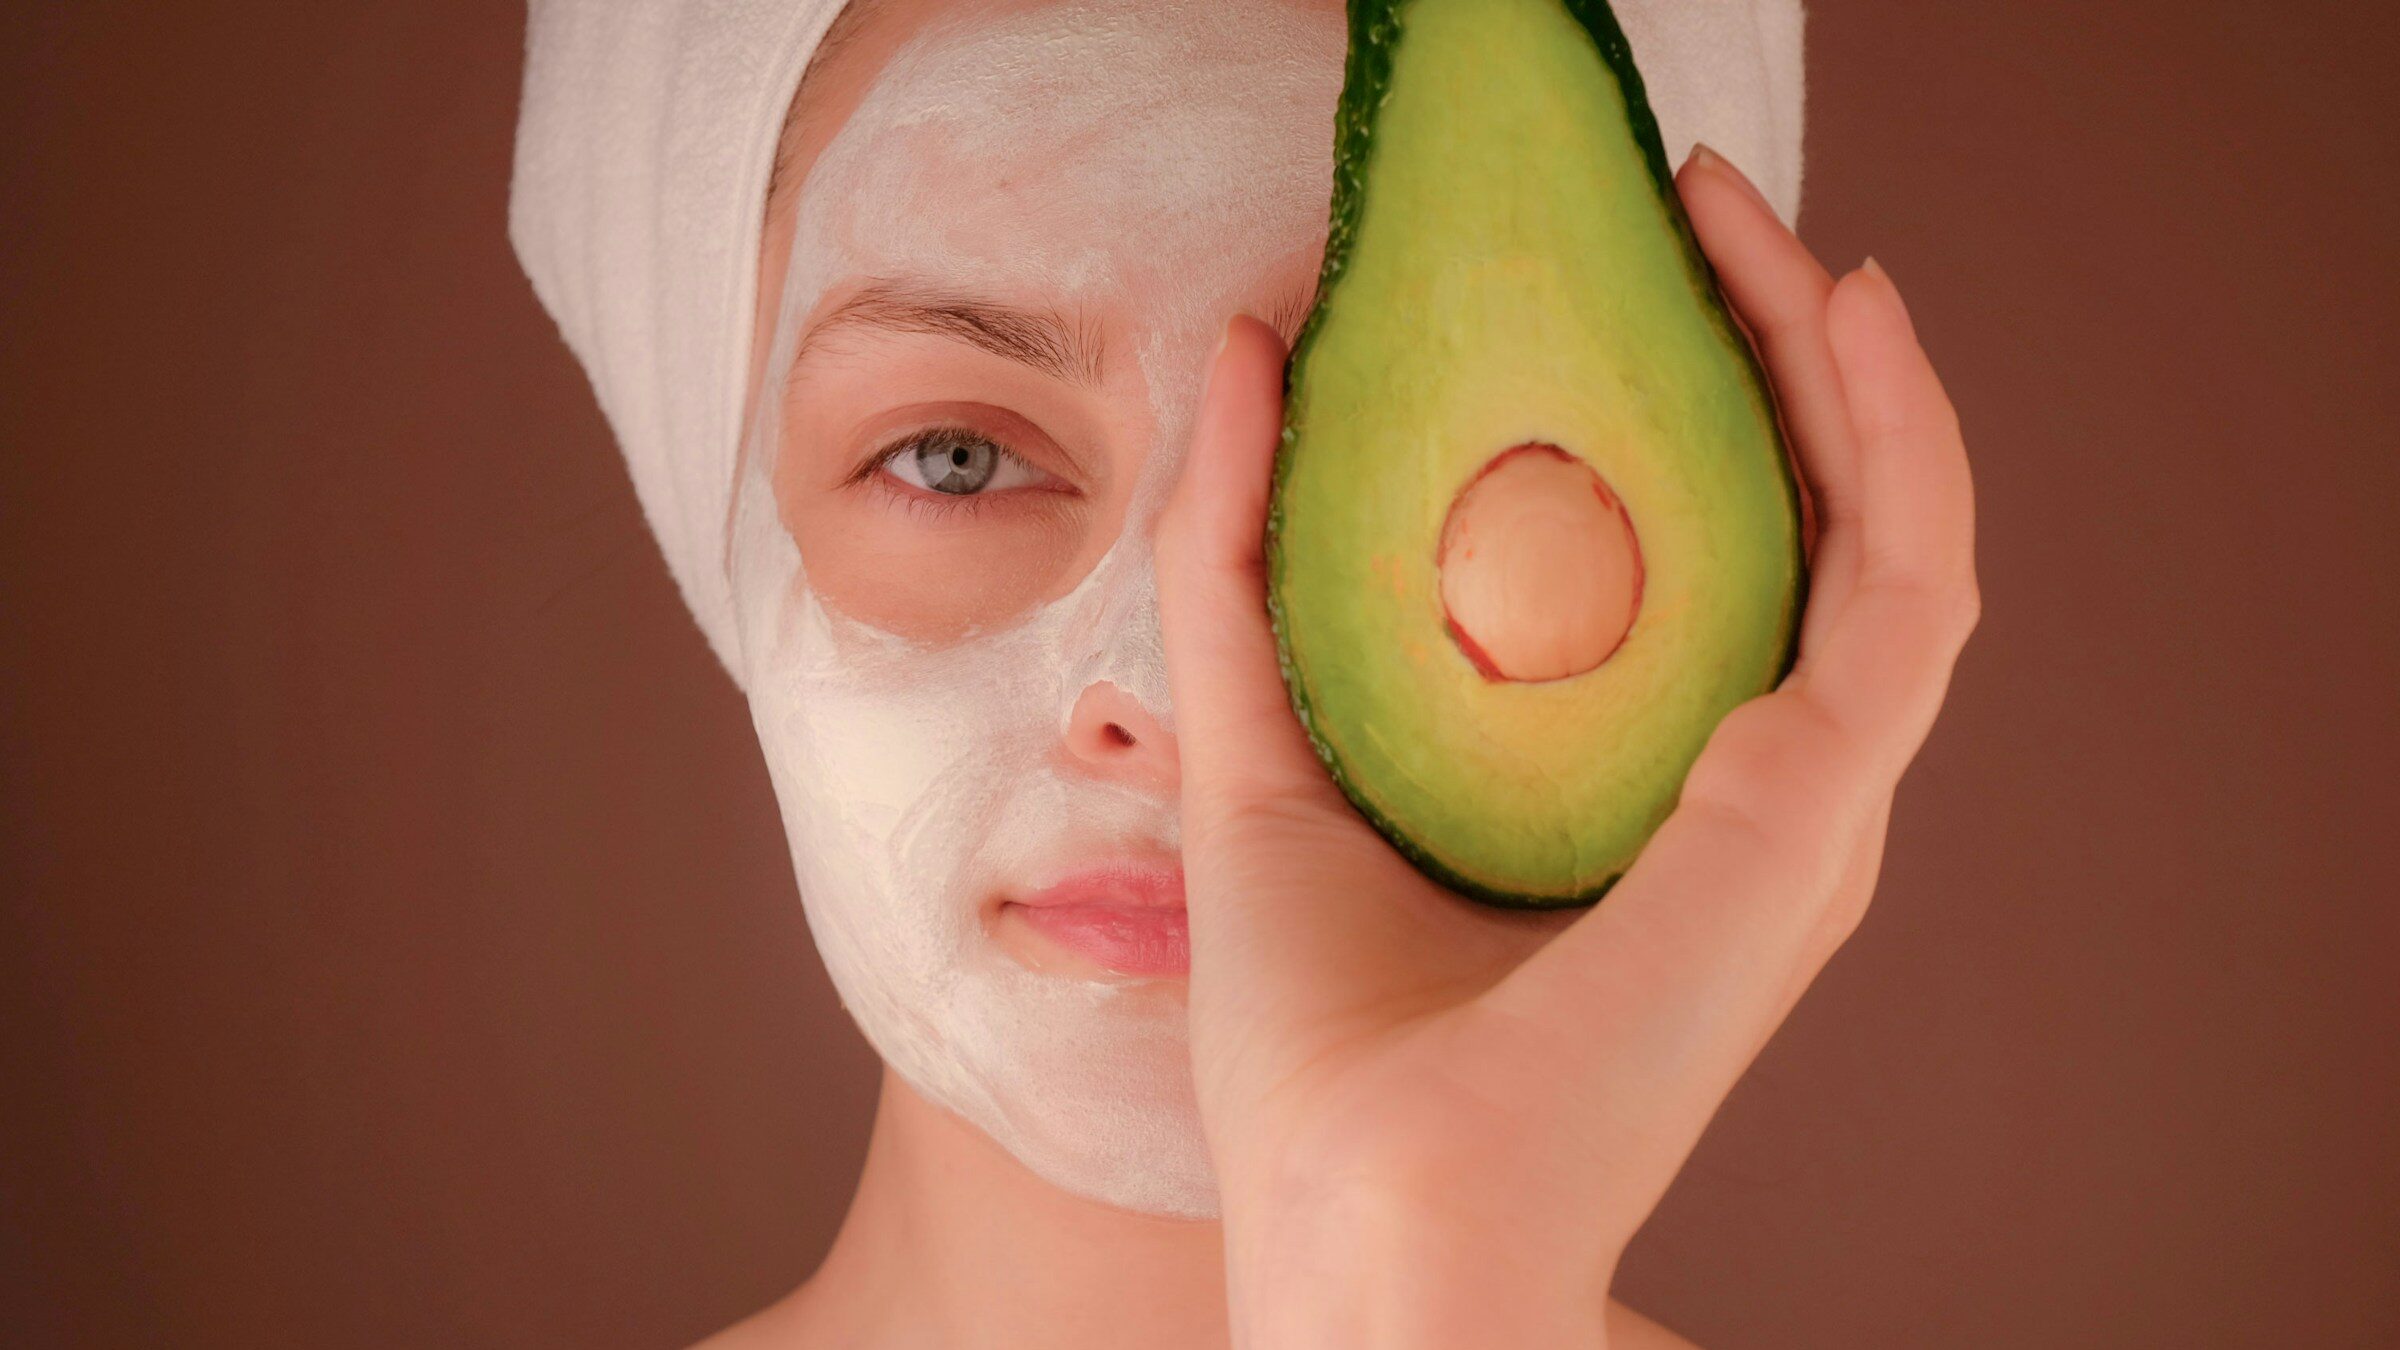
[[1238, 735], [1775, 284], [1779, 291], [1857, 890], [1289, 887], [1885, 667]]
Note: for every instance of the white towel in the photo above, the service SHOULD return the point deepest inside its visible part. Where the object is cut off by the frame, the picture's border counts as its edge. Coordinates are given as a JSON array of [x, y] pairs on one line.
[[644, 142]]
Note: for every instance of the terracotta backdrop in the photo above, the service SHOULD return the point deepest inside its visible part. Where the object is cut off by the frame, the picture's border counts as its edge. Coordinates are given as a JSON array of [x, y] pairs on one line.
[[399, 949]]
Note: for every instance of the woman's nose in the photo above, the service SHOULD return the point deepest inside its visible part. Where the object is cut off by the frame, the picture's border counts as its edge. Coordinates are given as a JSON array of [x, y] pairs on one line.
[[1111, 735]]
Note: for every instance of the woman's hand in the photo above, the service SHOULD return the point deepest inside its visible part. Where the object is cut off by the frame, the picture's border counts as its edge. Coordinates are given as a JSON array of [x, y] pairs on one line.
[[1437, 1123]]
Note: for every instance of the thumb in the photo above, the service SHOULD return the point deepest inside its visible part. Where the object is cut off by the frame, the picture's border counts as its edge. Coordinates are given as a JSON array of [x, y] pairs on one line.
[[1240, 743], [1300, 913]]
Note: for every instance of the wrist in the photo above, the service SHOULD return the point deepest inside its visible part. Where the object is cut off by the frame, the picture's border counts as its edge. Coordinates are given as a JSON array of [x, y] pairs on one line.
[[1364, 1269]]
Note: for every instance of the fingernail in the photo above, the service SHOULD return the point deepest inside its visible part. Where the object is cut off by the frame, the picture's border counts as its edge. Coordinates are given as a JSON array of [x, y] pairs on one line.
[[1891, 293], [1710, 160]]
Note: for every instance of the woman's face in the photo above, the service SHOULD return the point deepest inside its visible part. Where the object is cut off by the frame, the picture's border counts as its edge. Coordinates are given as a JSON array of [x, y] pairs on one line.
[[1017, 231]]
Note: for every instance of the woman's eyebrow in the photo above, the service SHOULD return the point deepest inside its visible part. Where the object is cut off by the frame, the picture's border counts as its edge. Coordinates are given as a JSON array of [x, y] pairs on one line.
[[1041, 339]]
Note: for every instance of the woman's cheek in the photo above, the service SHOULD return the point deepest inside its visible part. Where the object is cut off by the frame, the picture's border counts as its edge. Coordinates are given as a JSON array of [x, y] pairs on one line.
[[936, 572]]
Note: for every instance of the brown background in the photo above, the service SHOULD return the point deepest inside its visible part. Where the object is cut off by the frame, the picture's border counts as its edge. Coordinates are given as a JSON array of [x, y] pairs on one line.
[[398, 945]]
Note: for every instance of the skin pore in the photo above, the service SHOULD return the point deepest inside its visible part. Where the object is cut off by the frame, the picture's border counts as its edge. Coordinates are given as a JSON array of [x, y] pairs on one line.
[[1428, 1123]]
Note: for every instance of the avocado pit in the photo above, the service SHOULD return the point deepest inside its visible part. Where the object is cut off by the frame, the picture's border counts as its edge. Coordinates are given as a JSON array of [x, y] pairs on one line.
[[1541, 575]]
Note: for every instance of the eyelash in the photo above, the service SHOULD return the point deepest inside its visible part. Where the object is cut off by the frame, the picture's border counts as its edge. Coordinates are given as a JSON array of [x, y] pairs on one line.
[[938, 505], [942, 505]]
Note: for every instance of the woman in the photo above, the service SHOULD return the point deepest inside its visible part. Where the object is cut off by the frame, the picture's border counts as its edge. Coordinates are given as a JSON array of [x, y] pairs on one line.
[[951, 386]]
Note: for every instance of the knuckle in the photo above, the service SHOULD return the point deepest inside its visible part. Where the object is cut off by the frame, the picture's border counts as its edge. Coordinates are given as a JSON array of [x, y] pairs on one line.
[[1953, 601], [1880, 424], [1945, 417], [1761, 758], [1729, 814], [1968, 614], [1274, 810], [1788, 317], [1952, 606], [1843, 915]]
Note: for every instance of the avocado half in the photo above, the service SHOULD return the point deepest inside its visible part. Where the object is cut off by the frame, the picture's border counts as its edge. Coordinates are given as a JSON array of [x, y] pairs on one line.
[[1513, 310]]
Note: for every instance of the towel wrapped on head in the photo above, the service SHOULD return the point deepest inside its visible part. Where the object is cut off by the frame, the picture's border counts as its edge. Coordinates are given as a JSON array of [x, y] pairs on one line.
[[648, 132]]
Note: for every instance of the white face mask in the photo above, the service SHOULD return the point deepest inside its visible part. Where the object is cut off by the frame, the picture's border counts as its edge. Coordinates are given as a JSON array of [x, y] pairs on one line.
[[1159, 162]]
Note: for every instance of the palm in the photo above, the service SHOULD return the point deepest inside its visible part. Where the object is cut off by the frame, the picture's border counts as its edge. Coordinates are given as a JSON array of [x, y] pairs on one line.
[[1402, 1040], [1392, 1056]]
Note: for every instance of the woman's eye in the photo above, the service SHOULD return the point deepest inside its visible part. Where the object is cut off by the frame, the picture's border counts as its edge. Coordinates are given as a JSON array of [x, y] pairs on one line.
[[959, 463]]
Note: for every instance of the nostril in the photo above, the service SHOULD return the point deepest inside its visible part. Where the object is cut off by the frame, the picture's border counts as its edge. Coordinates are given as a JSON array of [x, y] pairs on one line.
[[1109, 734]]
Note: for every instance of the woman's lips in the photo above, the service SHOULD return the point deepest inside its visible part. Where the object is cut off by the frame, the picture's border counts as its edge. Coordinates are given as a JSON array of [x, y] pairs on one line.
[[1127, 917]]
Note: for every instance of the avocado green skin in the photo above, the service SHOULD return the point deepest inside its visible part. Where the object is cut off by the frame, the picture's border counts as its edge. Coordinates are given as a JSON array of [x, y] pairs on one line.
[[1376, 29]]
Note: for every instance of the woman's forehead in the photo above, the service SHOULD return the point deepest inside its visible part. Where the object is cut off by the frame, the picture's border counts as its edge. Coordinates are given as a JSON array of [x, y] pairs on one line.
[[1079, 137], [1002, 73]]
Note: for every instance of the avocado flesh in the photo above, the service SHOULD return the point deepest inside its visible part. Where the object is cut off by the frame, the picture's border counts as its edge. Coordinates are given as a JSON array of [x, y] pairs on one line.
[[1509, 264]]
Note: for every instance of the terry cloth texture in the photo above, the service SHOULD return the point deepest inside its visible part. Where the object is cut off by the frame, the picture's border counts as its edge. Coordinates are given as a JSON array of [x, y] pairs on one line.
[[644, 142]]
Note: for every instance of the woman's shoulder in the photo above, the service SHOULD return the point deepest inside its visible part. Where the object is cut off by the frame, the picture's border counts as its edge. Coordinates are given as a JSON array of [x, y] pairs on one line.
[[780, 1325]]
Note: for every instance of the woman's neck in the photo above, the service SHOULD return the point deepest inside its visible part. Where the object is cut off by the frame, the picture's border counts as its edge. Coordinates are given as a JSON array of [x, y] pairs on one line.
[[952, 1242]]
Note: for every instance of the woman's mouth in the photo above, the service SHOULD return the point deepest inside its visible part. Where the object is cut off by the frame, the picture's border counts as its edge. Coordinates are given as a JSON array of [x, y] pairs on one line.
[[1126, 917]]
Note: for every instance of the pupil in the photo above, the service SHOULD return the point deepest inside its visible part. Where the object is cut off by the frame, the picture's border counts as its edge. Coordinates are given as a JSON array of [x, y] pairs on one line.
[[959, 466]]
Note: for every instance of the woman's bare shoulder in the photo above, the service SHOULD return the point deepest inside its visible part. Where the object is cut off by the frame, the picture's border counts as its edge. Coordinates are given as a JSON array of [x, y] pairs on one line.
[[780, 1325]]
